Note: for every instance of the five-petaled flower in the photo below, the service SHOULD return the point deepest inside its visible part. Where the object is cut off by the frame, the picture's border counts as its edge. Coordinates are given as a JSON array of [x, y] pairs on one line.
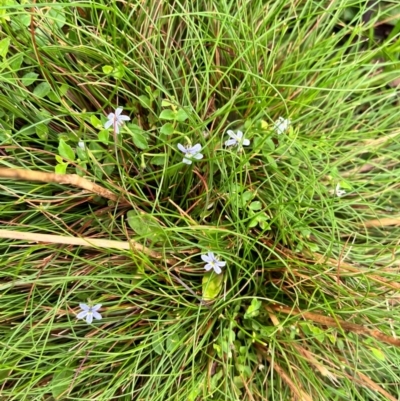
[[281, 125], [236, 139], [89, 312], [190, 152], [212, 262], [116, 120]]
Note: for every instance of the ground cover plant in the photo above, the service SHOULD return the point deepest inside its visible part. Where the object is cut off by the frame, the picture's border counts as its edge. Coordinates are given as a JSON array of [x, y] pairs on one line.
[[199, 200]]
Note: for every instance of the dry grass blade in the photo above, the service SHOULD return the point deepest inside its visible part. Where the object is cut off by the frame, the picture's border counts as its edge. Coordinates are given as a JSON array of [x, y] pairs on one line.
[[84, 241], [69, 179]]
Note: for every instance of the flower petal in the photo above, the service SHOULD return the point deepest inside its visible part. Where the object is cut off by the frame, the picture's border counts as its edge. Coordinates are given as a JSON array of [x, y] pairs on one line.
[[96, 307], [84, 307], [97, 315], [221, 263], [89, 318], [82, 315], [111, 116], [206, 258], [198, 156], [182, 148], [118, 111], [231, 133], [208, 267], [124, 118], [246, 142], [187, 161], [239, 134], [108, 124], [196, 148], [230, 142], [217, 269], [211, 255], [116, 128]]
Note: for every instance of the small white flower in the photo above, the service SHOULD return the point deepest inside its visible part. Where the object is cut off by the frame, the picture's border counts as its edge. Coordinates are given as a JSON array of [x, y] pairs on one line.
[[116, 120], [190, 152], [81, 144], [236, 139], [212, 262], [89, 312], [281, 125], [339, 192]]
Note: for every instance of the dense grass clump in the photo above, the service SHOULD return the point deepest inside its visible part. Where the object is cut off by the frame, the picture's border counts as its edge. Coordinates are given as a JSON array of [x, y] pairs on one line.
[[303, 207]]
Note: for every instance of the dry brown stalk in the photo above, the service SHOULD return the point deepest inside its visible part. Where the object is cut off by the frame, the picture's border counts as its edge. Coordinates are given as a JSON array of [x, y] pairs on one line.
[[84, 241], [331, 322], [69, 179]]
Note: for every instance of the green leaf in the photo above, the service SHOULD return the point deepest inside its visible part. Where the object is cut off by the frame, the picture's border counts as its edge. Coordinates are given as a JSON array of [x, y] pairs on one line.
[[5, 11], [168, 115], [42, 131], [158, 343], [181, 115], [172, 342], [254, 309], [253, 222], [378, 353], [95, 122], [29, 78], [256, 205], [271, 161], [146, 226], [81, 171], [119, 72], [61, 382], [16, 61], [145, 101], [81, 153], [63, 89], [138, 136], [107, 69], [42, 90], [268, 145], [97, 150], [211, 284], [108, 164], [103, 136], [159, 160], [61, 168], [4, 45], [66, 151], [98, 172], [263, 125], [24, 19], [53, 97], [314, 331], [246, 196], [167, 129], [167, 103], [263, 222], [57, 15]]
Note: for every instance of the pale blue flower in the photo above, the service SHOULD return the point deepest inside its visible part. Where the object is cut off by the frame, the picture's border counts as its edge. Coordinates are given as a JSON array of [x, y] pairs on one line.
[[212, 262], [81, 144], [116, 120], [190, 152], [89, 312], [281, 125], [236, 139]]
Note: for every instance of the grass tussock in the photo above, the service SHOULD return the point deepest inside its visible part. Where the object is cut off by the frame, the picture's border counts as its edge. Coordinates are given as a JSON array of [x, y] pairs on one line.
[[306, 216]]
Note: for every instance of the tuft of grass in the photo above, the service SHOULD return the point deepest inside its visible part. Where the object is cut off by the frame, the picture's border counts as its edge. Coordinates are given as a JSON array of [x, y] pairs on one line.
[[307, 305]]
